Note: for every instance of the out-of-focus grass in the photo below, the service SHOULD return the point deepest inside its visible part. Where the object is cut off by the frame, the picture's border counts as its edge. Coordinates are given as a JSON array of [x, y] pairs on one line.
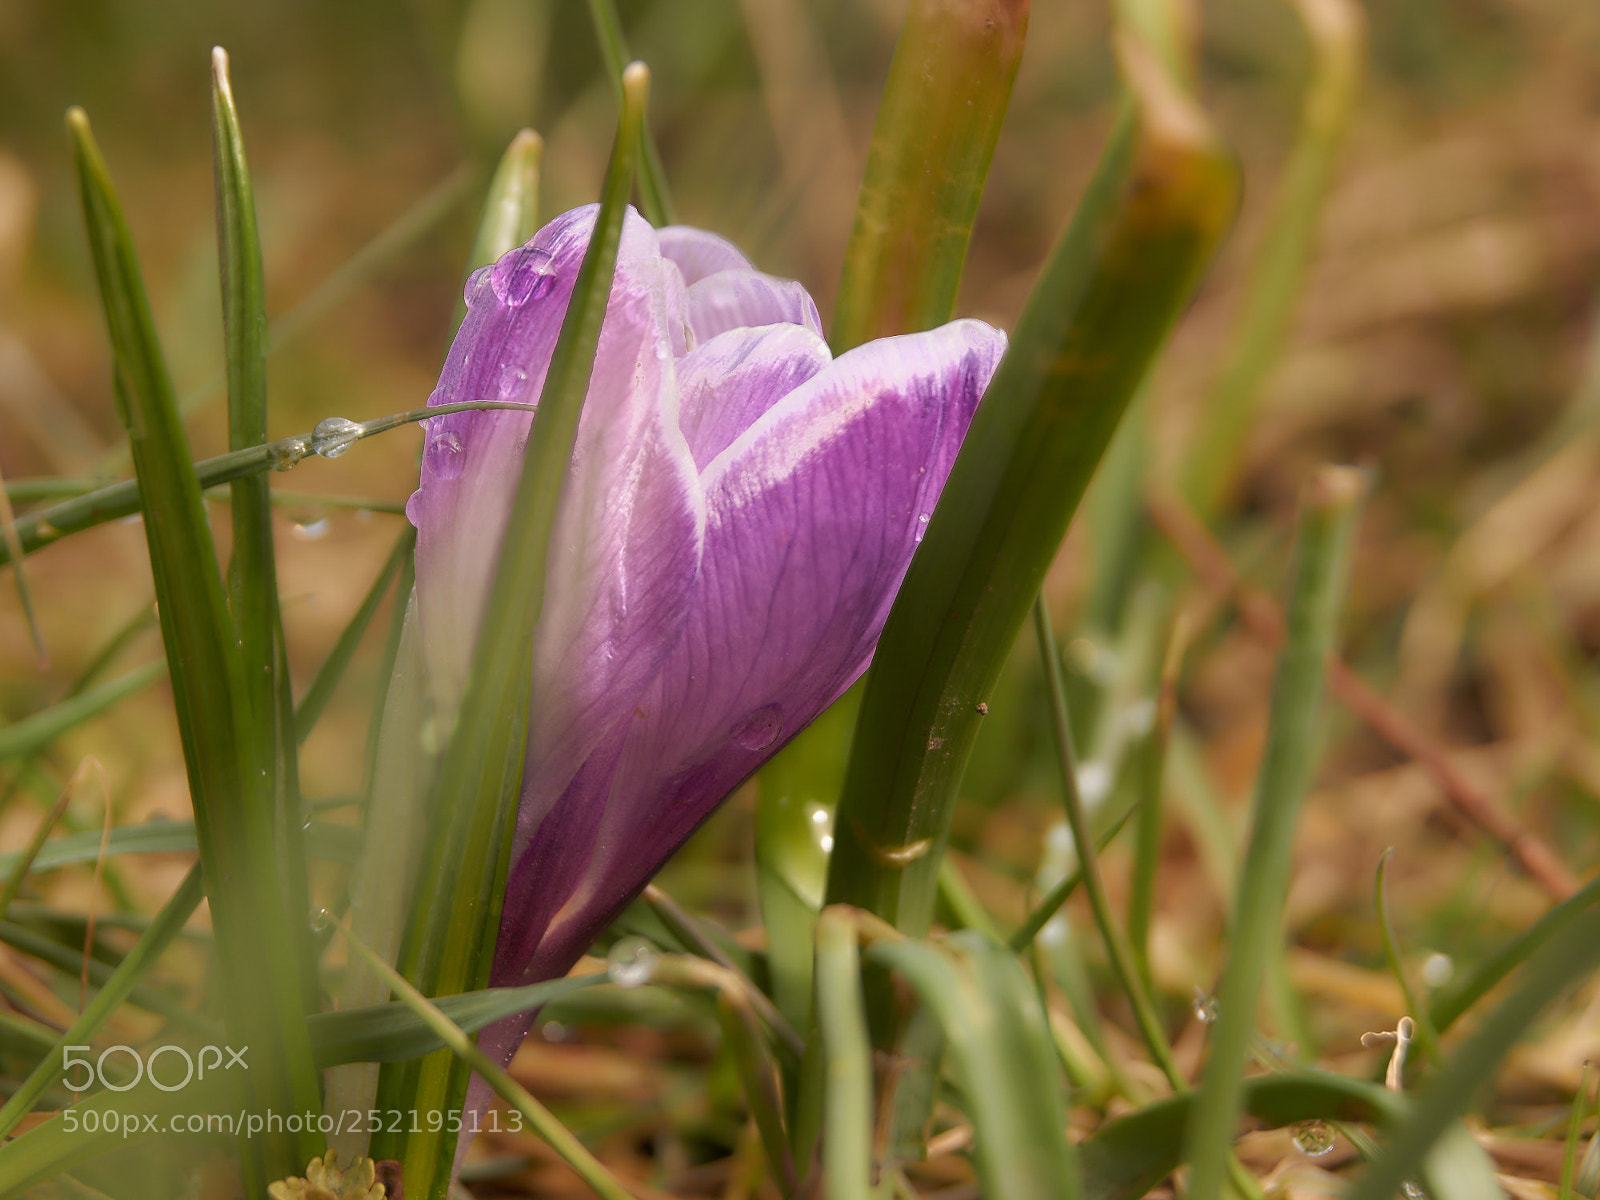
[[1442, 340]]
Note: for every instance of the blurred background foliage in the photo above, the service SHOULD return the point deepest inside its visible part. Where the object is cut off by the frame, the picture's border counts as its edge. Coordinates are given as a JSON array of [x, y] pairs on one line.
[[1445, 338]]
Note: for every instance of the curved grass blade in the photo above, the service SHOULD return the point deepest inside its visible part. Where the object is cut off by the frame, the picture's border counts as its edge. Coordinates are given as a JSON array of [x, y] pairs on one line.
[[449, 947], [938, 123], [1126, 1158], [333, 667], [34, 733], [1327, 516], [573, 1152], [8, 537], [116, 988], [1159, 201], [335, 843], [655, 202], [391, 1032], [1558, 964], [235, 817], [1336, 30], [1427, 1038], [22, 862], [1003, 1062]]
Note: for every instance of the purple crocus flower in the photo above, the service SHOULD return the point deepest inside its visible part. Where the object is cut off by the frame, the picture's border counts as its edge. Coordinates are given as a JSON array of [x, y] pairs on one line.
[[738, 513]]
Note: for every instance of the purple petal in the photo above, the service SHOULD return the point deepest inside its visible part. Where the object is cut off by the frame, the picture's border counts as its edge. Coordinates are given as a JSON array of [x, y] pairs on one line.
[[735, 299], [625, 547], [698, 253], [725, 383], [812, 514]]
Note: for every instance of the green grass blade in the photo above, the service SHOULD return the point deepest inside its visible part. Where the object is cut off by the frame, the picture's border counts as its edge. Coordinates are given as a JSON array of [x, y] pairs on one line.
[[576, 1155], [22, 863], [13, 547], [138, 961], [1336, 31], [335, 843], [1459, 995], [234, 813], [34, 733], [252, 567], [938, 123], [1327, 517], [1569, 1153], [450, 945], [1113, 287], [344, 649], [1427, 1038], [1005, 1067], [847, 1170], [655, 201], [1116, 943], [1557, 965], [510, 210], [391, 1032]]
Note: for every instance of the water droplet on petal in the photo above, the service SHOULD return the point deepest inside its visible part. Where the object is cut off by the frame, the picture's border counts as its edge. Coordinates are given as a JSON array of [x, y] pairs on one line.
[[521, 275], [760, 729], [312, 531], [445, 455], [631, 962], [922, 527], [334, 435], [475, 284], [1205, 1007], [321, 919], [286, 452], [1313, 1138], [512, 381]]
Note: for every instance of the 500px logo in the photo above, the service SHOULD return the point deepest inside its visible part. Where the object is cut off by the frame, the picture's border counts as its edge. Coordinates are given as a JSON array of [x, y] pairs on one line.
[[210, 1058]]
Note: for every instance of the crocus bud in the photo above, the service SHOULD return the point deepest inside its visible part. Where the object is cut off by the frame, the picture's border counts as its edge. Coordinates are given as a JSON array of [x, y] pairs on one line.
[[739, 510]]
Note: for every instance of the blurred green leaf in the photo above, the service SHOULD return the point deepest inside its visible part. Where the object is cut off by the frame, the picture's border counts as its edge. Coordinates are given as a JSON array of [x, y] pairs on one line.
[[1327, 515], [237, 825], [116, 988], [1002, 1059], [847, 1167], [35, 732], [510, 210], [654, 199], [938, 122]]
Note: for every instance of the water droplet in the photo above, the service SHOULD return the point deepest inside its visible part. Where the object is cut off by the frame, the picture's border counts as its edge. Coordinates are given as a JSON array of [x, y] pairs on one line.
[[521, 275], [313, 530], [1437, 969], [445, 455], [1413, 1191], [826, 842], [286, 452], [1094, 783], [320, 920], [1313, 1138], [631, 962], [513, 381], [334, 435], [1205, 1007], [819, 815], [475, 284], [306, 824], [555, 1031], [922, 527], [760, 729]]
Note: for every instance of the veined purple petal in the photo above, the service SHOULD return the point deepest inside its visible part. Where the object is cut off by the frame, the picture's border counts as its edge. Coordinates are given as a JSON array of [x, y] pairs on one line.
[[812, 514], [698, 253], [735, 299], [725, 383], [625, 547]]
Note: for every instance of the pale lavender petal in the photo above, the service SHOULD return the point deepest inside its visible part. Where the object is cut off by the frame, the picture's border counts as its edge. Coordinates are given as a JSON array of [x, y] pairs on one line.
[[812, 516], [734, 299], [625, 548], [726, 383], [698, 253]]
